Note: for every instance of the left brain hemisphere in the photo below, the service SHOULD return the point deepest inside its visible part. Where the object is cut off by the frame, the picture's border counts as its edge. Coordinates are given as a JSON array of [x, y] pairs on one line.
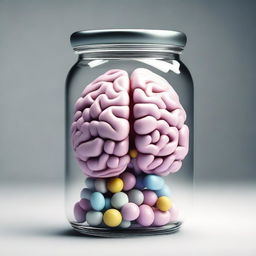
[[100, 131]]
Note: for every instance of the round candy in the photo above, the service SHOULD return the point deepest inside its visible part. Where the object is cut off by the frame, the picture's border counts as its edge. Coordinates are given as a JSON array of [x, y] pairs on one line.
[[130, 212], [89, 182], [153, 182], [125, 224], [136, 196], [164, 191], [139, 182], [161, 218], [150, 197], [79, 213], [100, 185], [112, 218], [86, 193], [129, 180], [164, 203], [115, 185], [174, 214], [119, 199], [133, 153], [94, 218], [85, 204], [97, 201], [107, 204], [146, 216]]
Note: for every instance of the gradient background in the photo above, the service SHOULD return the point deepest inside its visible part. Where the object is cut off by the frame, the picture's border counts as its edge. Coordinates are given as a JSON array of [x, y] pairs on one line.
[[36, 56]]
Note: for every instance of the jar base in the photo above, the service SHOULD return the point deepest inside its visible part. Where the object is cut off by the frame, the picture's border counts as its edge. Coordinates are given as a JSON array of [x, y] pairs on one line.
[[118, 232]]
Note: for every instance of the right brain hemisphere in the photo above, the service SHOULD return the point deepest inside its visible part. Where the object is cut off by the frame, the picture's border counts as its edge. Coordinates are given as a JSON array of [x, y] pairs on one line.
[[107, 122]]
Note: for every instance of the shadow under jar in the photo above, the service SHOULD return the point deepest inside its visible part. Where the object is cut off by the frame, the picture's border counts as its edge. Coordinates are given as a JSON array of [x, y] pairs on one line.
[[129, 133]]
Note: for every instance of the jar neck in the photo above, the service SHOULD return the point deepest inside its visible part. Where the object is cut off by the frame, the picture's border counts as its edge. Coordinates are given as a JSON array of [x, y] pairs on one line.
[[128, 52]]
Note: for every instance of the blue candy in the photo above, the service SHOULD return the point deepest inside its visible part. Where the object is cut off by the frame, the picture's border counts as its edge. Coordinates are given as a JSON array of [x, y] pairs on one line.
[[153, 182], [164, 191], [107, 204], [139, 182], [97, 201]]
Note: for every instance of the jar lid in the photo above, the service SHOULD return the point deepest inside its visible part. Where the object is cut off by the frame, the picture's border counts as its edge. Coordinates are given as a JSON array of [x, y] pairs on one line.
[[127, 37]]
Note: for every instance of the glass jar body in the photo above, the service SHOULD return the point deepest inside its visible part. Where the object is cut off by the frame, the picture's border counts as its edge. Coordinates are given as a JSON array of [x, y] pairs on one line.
[[87, 216]]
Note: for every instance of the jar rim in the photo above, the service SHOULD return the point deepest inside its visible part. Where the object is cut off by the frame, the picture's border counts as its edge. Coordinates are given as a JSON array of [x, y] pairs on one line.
[[85, 39]]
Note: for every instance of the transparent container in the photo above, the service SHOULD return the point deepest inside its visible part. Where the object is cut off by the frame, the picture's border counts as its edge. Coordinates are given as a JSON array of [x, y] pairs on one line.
[[129, 133]]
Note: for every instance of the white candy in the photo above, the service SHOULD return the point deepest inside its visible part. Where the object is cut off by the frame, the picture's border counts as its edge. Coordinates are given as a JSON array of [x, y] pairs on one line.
[[100, 185], [86, 193], [94, 218], [136, 196], [89, 182], [119, 199], [125, 224]]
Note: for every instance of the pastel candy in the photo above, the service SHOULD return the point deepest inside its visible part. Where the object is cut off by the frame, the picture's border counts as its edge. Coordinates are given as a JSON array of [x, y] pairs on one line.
[[174, 214], [100, 185], [79, 213], [107, 204], [89, 182], [130, 211], [136, 196], [129, 180], [101, 125], [146, 216], [94, 218], [161, 218], [97, 201], [153, 182], [125, 224], [86, 193], [150, 197], [85, 204], [119, 199]]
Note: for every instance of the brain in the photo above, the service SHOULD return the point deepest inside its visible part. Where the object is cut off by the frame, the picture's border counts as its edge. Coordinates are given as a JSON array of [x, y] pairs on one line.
[[117, 114]]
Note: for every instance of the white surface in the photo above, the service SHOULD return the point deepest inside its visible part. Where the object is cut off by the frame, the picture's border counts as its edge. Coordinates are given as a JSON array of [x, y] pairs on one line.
[[33, 223]]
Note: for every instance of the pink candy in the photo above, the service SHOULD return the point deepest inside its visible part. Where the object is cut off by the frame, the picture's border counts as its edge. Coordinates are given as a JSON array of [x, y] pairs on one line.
[[129, 180], [130, 211], [150, 197], [161, 218], [146, 216], [79, 213]]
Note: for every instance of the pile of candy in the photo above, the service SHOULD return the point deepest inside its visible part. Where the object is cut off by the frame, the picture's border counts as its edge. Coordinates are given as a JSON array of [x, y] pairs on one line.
[[126, 200]]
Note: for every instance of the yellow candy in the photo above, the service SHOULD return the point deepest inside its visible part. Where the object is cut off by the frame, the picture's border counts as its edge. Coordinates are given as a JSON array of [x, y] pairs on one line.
[[115, 185], [133, 153], [164, 203], [112, 218]]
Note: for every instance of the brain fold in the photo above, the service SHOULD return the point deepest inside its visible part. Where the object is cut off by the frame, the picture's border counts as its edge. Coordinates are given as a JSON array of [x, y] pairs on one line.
[[116, 113]]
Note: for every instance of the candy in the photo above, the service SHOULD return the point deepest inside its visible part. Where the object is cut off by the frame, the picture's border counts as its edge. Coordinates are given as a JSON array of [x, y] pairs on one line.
[[79, 213], [94, 218], [97, 201], [133, 153], [164, 203], [129, 180], [153, 182], [174, 214], [115, 185], [136, 196], [146, 216], [139, 182], [119, 199], [107, 204], [150, 197], [100, 185], [164, 191], [86, 193], [125, 224], [130, 211], [89, 182], [161, 218], [112, 218], [85, 204]]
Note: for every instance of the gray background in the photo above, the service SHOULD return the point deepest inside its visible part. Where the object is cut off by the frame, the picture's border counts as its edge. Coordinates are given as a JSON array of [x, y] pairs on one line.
[[36, 56]]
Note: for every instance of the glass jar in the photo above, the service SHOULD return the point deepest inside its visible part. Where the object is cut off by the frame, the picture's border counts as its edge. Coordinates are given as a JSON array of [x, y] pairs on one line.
[[129, 133]]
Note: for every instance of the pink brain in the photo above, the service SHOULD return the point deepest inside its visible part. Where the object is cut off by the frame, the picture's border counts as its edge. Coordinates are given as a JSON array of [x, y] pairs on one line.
[[117, 113]]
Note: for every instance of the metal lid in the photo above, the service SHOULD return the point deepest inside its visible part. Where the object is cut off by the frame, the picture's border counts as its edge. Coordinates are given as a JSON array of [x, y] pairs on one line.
[[128, 36]]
